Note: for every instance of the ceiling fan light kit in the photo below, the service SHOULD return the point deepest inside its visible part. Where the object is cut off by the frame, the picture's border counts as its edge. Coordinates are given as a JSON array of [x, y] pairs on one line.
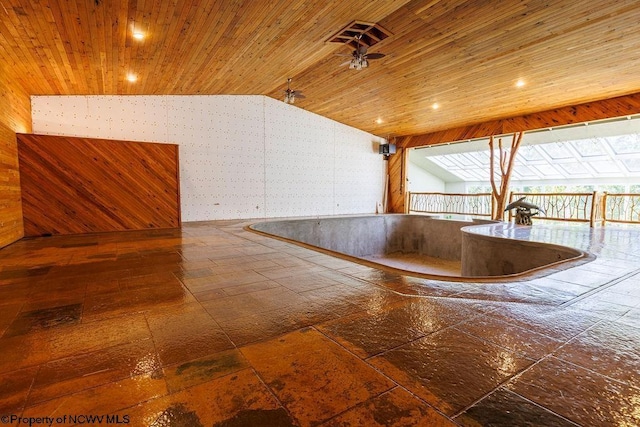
[[358, 63], [360, 36], [290, 95], [360, 57]]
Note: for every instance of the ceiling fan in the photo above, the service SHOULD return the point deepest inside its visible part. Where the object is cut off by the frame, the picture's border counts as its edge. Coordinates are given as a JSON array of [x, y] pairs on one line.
[[360, 57], [291, 95]]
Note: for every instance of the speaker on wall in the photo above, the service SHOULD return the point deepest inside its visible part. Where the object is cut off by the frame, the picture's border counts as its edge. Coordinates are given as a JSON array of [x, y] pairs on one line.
[[387, 149]]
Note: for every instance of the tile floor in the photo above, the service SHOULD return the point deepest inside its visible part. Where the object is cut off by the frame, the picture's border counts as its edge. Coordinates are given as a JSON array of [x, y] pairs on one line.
[[213, 325]]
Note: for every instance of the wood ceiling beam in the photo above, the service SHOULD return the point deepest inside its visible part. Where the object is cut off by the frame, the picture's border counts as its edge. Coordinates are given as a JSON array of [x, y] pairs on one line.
[[597, 110]]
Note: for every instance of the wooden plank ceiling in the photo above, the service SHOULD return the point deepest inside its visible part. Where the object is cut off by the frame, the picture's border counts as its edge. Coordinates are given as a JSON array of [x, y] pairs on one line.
[[466, 56]]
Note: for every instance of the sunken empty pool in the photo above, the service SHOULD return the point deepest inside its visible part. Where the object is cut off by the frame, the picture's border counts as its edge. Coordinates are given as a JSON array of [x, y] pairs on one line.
[[427, 246]]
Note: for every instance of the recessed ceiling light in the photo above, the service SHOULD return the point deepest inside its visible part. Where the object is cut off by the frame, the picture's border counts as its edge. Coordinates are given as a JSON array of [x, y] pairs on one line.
[[520, 83], [435, 106], [379, 120], [132, 77], [138, 35]]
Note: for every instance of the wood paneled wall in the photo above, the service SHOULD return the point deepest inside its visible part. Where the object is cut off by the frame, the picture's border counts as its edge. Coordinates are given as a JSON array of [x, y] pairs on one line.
[[82, 185], [397, 180], [15, 115]]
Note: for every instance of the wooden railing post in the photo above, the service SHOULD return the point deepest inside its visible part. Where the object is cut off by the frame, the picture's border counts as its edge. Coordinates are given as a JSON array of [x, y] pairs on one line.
[[510, 200], [594, 206], [604, 208]]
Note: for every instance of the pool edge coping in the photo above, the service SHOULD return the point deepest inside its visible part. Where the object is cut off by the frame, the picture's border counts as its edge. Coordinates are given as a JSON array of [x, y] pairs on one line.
[[527, 275]]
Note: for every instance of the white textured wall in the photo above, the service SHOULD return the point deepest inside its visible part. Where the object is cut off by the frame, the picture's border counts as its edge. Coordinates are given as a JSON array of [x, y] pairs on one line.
[[421, 181], [455, 187], [240, 156]]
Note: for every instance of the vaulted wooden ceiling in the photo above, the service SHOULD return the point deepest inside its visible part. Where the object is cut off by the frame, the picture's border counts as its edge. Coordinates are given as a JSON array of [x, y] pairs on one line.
[[466, 56]]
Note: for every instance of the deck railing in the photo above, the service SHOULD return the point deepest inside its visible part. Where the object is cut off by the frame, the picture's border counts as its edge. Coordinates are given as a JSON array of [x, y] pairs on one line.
[[596, 208], [575, 207], [621, 207], [451, 204]]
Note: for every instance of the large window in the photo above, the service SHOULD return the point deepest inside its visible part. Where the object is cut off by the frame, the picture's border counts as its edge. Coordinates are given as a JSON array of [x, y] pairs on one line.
[[599, 156]]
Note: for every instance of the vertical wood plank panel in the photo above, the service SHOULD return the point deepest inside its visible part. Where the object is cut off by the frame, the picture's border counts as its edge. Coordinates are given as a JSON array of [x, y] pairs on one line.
[[83, 185], [396, 181], [15, 115]]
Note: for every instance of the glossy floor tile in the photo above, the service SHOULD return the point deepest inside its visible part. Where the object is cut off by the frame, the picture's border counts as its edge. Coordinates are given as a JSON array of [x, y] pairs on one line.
[[312, 376], [238, 399], [213, 325], [430, 367], [504, 408], [579, 394], [372, 332], [394, 408]]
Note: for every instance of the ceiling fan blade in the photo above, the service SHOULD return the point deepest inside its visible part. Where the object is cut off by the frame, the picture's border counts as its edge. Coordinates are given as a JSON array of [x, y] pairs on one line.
[[345, 63], [375, 55], [296, 92], [300, 96], [362, 50]]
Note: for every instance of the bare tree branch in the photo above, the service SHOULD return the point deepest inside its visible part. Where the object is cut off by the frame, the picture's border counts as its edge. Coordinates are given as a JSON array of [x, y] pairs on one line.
[[506, 164], [492, 177]]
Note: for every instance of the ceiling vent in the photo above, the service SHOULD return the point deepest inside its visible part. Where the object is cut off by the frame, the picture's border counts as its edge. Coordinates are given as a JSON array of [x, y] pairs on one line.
[[369, 34]]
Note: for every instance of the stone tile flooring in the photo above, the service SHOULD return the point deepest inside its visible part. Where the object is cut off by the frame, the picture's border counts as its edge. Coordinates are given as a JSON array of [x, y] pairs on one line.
[[215, 325]]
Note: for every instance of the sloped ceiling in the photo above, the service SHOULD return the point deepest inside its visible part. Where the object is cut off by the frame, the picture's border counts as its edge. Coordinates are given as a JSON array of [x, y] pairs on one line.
[[466, 56]]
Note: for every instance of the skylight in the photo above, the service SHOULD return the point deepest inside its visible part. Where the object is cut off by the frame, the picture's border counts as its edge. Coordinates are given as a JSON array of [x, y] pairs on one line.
[[585, 152]]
